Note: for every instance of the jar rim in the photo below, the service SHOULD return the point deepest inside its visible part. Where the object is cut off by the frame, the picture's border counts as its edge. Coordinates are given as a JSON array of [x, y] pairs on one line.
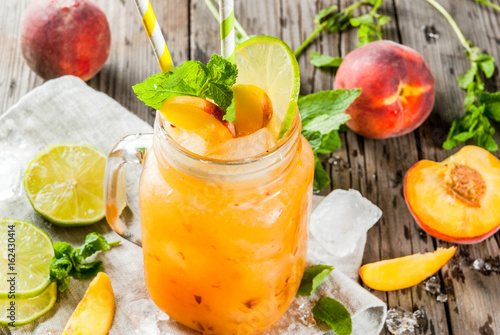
[[278, 149]]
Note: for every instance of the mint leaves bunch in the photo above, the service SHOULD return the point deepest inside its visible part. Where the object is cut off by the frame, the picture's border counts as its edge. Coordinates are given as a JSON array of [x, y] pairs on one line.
[[334, 21], [192, 78], [480, 106], [327, 309], [322, 115], [68, 261]]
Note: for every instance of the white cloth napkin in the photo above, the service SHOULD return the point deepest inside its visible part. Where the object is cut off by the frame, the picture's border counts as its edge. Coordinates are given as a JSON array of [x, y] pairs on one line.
[[67, 110]]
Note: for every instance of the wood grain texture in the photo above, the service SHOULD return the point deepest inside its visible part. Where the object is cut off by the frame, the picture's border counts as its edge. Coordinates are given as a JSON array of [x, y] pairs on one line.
[[374, 167]]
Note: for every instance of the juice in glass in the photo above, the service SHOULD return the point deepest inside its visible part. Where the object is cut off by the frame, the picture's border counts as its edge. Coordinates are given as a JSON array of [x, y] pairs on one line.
[[225, 242]]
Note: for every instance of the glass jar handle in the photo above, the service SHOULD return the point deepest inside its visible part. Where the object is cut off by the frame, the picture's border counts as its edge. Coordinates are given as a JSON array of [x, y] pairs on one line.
[[120, 216]]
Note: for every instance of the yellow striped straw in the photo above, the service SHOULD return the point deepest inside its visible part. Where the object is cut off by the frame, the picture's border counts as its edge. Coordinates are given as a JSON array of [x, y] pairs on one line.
[[155, 36], [227, 29]]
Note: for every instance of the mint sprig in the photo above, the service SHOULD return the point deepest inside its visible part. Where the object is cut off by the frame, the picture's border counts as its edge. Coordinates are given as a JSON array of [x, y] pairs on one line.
[[324, 61], [68, 261], [322, 114], [327, 309], [192, 78], [480, 106]]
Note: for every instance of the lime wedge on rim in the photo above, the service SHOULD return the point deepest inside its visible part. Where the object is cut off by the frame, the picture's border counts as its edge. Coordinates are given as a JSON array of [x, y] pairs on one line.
[[270, 64], [28, 310], [28, 252], [64, 183]]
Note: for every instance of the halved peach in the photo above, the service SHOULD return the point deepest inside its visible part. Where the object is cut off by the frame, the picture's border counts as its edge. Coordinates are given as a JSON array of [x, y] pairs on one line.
[[94, 314], [199, 116], [456, 200], [253, 108], [404, 272]]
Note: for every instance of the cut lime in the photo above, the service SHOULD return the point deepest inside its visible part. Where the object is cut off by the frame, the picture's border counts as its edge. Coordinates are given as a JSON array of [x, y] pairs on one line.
[[269, 63], [20, 312], [27, 253], [64, 183]]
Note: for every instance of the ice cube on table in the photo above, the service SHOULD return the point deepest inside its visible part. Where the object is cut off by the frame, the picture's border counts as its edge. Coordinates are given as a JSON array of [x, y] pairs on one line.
[[433, 285], [10, 176], [243, 147], [341, 220], [399, 321], [145, 317]]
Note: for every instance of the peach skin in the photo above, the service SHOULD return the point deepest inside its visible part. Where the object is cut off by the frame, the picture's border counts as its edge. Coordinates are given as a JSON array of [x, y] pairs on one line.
[[397, 89]]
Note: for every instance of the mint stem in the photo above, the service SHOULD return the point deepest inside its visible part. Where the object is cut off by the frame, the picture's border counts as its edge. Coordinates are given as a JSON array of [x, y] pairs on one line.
[[487, 3], [453, 24], [322, 26], [112, 244]]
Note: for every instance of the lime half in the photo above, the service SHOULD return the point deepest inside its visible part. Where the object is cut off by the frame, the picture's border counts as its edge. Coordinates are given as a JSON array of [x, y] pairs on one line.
[[64, 183], [20, 312], [270, 64], [26, 256]]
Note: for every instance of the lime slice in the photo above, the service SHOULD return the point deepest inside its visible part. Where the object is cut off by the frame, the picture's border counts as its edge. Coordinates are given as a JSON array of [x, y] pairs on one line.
[[64, 183], [27, 253], [25, 311], [269, 63]]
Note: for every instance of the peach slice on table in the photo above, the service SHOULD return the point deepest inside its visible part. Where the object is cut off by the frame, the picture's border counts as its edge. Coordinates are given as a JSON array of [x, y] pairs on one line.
[[404, 272], [253, 109], [94, 314], [199, 116], [456, 200]]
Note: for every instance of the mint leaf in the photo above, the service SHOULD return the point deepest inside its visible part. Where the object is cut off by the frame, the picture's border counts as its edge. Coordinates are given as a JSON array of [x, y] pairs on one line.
[[313, 277], [192, 78], [322, 115], [187, 79], [491, 102], [321, 178], [334, 314], [320, 60], [324, 13], [67, 261], [363, 19], [468, 77], [324, 111]]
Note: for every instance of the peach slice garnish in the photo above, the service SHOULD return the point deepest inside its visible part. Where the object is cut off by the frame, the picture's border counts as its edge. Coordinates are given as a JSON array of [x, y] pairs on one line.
[[456, 200], [404, 272], [253, 108], [94, 314], [199, 116]]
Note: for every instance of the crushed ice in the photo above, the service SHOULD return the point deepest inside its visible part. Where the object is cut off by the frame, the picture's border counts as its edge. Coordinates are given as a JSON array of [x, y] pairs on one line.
[[486, 266], [399, 321], [145, 317], [433, 286]]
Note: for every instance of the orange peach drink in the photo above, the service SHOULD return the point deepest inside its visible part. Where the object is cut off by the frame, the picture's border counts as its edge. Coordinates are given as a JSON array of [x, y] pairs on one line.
[[225, 212]]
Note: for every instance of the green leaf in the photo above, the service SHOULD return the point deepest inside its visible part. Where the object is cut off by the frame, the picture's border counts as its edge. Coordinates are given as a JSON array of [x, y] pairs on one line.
[[363, 19], [468, 77], [330, 142], [324, 111], [320, 60], [223, 96], [488, 67], [324, 13], [94, 242], [491, 102], [383, 19], [334, 314], [321, 178], [221, 71], [188, 79], [313, 277], [68, 261]]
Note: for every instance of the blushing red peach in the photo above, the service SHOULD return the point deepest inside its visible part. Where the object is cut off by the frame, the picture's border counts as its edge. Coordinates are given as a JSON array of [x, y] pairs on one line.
[[456, 200], [65, 37], [397, 89]]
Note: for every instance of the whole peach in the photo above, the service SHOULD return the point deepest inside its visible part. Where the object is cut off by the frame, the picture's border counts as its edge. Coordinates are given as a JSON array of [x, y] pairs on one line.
[[397, 89], [65, 37]]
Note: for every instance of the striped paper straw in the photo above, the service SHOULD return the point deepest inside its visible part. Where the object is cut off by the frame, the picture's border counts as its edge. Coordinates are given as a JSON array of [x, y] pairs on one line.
[[227, 29], [155, 36]]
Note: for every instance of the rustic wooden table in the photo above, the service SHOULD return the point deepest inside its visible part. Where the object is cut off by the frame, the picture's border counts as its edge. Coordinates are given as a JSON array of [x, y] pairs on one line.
[[374, 167]]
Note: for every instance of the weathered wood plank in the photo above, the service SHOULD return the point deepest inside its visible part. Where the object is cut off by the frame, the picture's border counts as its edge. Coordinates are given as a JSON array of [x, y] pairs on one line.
[[472, 296]]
